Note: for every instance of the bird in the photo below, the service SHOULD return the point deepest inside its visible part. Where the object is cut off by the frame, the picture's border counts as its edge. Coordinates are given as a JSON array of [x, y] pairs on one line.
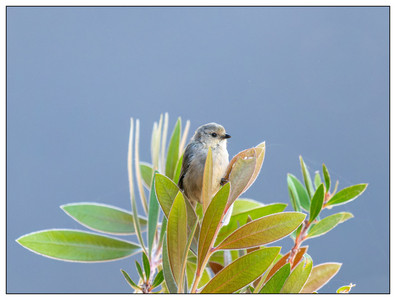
[[211, 135]]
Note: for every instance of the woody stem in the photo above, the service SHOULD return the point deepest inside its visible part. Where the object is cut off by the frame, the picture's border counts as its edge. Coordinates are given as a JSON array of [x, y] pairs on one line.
[[299, 239]]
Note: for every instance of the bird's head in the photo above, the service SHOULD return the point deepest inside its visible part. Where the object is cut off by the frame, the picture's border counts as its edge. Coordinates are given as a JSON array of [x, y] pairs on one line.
[[211, 134]]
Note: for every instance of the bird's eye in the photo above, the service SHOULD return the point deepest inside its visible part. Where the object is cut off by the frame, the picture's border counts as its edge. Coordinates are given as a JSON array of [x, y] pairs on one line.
[[214, 134]]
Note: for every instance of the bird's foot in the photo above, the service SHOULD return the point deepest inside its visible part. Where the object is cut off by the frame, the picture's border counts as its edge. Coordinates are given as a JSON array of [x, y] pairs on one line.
[[223, 181]]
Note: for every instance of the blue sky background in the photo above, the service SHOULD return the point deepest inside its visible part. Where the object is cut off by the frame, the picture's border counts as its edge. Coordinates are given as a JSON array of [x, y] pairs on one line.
[[309, 81]]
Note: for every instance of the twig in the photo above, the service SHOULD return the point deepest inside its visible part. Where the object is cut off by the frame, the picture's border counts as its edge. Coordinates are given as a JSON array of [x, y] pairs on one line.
[[298, 241]]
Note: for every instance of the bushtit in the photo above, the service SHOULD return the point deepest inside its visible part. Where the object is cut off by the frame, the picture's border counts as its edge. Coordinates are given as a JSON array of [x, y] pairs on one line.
[[191, 176]]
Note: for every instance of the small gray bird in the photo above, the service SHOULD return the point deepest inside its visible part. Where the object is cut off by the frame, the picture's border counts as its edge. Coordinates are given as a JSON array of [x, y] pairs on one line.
[[191, 176]]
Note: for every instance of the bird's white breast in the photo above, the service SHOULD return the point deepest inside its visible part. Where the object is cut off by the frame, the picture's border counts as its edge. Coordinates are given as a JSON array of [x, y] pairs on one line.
[[220, 163]]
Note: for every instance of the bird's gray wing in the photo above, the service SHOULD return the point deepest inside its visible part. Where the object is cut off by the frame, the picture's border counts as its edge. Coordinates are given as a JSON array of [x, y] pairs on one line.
[[187, 158]]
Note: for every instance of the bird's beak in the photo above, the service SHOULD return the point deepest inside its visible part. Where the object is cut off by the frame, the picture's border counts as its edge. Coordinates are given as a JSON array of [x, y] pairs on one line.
[[226, 136]]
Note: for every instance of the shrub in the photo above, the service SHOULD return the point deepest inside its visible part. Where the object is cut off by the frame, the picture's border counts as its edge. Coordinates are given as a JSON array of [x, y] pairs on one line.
[[192, 250]]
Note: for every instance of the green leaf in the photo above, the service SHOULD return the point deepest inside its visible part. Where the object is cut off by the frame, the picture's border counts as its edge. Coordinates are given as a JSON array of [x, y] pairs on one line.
[[146, 171], [130, 281], [139, 269], [207, 181], [164, 224], [185, 254], [159, 278], [276, 282], [153, 215], [211, 222], [295, 201], [300, 191], [348, 194], [178, 169], [317, 203], [317, 179], [191, 223], [240, 218], [199, 210], [243, 204], [177, 238], [263, 230], [166, 191], [146, 265], [173, 151], [77, 246], [136, 224], [169, 279], [190, 272], [345, 289], [103, 218], [320, 275], [307, 177], [242, 271], [327, 224], [295, 282], [326, 176], [218, 257], [258, 212]]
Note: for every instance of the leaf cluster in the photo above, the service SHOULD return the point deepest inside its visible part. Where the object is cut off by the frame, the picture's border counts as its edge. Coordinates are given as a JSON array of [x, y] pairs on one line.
[[195, 250]]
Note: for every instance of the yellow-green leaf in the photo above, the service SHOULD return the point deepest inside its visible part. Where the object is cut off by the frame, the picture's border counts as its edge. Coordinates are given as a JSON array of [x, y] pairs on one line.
[[238, 219], [276, 282], [190, 272], [317, 179], [77, 246], [207, 181], [243, 204], [191, 223], [320, 275], [178, 169], [242, 271], [130, 281], [348, 194], [295, 282], [326, 176], [177, 237], [211, 222], [103, 218], [328, 223], [307, 177], [345, 289], [146, 171], [153, 214], [263, 230], [166, 191], [169, 279], [173, 150]]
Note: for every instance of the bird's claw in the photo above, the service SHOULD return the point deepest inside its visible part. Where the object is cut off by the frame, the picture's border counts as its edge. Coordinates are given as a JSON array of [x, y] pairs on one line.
[[223, 181]]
